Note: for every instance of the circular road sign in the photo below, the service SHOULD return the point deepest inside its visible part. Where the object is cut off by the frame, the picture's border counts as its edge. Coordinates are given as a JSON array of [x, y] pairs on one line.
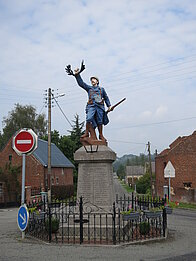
[[23, 217], [25, 141]]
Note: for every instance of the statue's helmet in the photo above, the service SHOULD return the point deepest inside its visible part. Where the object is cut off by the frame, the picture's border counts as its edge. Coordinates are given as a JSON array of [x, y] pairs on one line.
[[94, 77]]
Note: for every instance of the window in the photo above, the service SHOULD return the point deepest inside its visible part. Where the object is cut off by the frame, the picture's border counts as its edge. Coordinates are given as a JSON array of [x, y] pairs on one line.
[[62, 171], [187, 185], [52, 181], [1, 189], [10, 157], [57, 180]]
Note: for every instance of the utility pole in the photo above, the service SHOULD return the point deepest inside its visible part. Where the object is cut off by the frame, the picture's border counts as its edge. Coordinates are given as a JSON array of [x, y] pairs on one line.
[[155, 188], [50, 97], [150, 168], [49, 145]]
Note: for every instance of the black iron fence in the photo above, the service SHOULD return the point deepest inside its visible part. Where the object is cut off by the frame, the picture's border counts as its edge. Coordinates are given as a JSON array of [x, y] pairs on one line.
[[140, 202], [80, 222]]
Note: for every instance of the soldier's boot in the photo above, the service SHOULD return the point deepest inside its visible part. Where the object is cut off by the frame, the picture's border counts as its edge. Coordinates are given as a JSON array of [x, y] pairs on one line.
[[100, 129], [86, 134], [93, 135]]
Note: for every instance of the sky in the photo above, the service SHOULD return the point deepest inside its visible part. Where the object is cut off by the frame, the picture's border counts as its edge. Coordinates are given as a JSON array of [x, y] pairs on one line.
[[142, 50]]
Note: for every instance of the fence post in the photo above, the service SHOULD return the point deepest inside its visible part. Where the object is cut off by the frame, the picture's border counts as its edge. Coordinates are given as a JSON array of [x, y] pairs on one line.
[[50, 225], [114, 224], [132, 200], [164, 222], [81, 220], [165, 199], [44, 202]]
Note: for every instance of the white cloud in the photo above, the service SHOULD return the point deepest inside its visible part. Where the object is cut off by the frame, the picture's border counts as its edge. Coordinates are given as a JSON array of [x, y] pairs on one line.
[[146, 115], [161, 110], [130, 45]]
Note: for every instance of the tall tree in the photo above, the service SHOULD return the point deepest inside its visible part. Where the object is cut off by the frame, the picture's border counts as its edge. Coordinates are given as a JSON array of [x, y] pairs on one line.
[[1, 140], [67, 146], [77, 131], [121, 171], [143, 184], [55, 137], [23, 117]]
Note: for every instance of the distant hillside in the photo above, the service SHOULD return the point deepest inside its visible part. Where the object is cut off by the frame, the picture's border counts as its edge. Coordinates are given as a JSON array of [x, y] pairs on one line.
[[131, 160], [122, 160]]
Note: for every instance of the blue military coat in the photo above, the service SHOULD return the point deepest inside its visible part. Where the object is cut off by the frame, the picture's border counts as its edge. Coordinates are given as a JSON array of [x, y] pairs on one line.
[[95, 110]]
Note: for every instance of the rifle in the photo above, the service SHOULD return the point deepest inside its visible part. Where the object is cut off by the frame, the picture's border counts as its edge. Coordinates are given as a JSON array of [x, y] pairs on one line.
[[115, 105]]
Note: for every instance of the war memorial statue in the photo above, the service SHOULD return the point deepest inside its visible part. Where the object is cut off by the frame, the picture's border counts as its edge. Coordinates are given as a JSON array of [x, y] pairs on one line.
[[96, 116], [95, 171]]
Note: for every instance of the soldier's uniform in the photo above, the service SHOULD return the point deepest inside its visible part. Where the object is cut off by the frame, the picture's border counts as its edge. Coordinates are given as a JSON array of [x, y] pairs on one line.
[[95, 109]]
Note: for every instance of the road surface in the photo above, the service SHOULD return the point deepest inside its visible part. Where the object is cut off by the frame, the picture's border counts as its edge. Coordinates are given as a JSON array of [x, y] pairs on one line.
[[179, 246]]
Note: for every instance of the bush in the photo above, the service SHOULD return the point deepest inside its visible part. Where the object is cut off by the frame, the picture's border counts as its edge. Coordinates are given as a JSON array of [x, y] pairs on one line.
[[144, 228], [62, 191], [54, 224], [143, 184]]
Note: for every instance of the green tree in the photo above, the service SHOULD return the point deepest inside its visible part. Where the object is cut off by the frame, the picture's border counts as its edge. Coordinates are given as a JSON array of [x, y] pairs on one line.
[[1, 140], [121, 171], [142, 159], [64, 143], [67, 146], [55, 137], [143, 184], [23, 117], [77, 131]]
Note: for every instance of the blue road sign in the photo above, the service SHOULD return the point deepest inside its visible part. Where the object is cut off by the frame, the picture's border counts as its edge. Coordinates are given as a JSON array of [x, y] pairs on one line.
[[23, 217]]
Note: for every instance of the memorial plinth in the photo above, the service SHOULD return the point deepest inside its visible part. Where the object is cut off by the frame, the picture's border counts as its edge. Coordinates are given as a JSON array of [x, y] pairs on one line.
[[95, 176]]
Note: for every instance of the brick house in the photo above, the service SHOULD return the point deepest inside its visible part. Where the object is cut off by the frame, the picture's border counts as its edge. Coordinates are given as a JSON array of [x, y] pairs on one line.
[[182, 154], [36, 170]]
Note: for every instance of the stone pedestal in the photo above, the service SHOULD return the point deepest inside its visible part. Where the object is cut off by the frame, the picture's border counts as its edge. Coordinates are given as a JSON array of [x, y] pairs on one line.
[[95, 176]]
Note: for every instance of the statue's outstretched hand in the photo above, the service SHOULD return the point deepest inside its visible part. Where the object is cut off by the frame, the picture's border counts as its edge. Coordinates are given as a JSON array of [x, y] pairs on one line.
[[76, 71]]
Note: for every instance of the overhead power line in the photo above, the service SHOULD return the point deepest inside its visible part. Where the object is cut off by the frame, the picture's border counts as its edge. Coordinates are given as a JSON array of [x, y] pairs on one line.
[[129, 88], [156, 123], [152, 78], [131, 142], [62, 111], [137, 73], [41, 109]]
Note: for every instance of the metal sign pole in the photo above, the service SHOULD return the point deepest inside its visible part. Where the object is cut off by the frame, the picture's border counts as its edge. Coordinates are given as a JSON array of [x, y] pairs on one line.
[[169, 191], [23, 178], [23, 184]]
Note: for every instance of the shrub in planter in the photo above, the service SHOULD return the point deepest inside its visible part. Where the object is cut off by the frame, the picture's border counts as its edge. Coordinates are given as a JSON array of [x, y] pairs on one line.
[[54, 224], [144, 228], [153, 212], [130, 215]]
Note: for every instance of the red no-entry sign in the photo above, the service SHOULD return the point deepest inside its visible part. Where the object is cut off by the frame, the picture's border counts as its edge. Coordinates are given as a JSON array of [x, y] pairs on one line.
[[25, 141]]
